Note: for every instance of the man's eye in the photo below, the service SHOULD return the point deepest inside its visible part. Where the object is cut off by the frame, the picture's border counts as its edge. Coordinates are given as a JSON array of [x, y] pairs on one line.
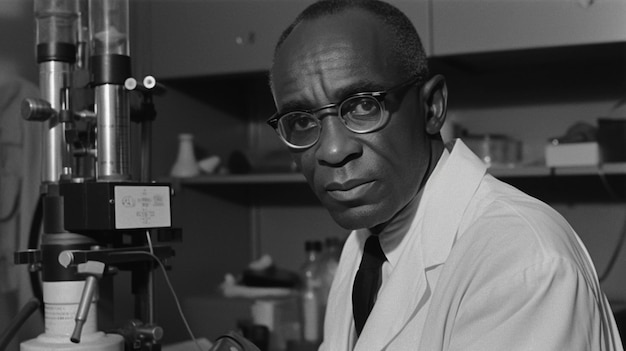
[[302, 123], [361, 108]]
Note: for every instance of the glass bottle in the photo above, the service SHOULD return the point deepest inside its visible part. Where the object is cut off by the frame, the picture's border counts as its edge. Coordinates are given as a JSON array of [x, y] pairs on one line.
[[186, 164], [310, 295], [329, 263]]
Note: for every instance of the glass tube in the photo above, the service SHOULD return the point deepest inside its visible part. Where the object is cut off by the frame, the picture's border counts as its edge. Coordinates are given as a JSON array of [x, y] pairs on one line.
[[109, 27], [56, 21]]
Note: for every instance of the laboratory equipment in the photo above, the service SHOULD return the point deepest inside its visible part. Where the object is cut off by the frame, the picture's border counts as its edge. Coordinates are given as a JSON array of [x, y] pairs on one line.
[[98, 218]]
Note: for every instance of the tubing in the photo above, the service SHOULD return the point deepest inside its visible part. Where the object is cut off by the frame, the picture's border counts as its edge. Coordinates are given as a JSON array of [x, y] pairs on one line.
[[31, 306]]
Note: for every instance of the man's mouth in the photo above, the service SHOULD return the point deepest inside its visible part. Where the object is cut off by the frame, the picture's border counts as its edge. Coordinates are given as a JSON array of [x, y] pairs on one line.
[[349, 191]]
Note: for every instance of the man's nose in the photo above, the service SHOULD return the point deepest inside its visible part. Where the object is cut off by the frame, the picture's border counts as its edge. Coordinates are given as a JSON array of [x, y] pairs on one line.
[[336, 144]]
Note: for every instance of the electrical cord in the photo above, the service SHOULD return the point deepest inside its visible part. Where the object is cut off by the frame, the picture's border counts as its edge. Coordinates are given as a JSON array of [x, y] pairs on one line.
[[149, 241], [33, 243], [169, 285], [620, 240], [605, 183], [16, 323], [614, 256], [13, 211]]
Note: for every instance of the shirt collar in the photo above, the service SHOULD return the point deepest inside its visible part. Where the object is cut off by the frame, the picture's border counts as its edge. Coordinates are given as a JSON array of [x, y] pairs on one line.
[[392, 237]]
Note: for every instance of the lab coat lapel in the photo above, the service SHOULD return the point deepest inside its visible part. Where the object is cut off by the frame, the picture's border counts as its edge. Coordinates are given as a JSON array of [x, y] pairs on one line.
[[449, 195], [397, 301], [429, 242]]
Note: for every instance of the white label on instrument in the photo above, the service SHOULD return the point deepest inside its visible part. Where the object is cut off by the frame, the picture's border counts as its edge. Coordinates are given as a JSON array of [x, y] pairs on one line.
[[142, 207]]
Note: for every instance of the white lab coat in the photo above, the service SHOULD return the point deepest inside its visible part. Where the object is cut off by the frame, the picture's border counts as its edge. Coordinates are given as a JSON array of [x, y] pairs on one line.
[[483, 267]]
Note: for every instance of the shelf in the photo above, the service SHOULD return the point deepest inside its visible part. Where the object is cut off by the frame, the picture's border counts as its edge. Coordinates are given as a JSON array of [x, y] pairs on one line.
[[496, 171], [568, 184], [263, 178], [525, 171], [269, 189], [545, 171]]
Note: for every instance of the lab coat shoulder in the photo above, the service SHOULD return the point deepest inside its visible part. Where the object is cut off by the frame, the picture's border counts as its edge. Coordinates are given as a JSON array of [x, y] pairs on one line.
[[517, 278], [517, 231]]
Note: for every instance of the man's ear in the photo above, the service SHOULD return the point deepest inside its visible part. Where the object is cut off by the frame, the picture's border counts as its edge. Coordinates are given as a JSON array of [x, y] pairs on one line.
[[435, 101]]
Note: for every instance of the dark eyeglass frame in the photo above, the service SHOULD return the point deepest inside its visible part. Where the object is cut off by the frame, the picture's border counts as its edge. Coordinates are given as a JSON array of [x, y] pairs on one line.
[[378, 95]]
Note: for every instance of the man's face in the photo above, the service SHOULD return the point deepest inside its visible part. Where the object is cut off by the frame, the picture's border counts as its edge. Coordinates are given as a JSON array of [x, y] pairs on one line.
[[362, 179]]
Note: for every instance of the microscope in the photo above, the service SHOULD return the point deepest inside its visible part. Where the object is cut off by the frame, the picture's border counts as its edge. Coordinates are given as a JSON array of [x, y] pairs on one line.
[[98, 219]]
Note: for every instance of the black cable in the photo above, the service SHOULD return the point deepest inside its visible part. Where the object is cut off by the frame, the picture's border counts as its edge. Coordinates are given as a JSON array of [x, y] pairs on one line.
[[169, 285], [33, 243], [613, 259], [12, 211], [16, 323]]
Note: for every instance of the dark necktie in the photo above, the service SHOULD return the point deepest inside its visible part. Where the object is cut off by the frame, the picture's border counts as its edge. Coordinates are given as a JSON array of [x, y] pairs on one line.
[[367, 282]]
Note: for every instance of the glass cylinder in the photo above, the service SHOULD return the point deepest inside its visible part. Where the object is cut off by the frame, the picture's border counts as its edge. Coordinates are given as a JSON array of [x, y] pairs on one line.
[[56, 21], [109, 27]]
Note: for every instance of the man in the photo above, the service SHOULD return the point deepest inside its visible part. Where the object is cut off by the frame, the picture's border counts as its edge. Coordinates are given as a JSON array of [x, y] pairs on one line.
[[468, 262]]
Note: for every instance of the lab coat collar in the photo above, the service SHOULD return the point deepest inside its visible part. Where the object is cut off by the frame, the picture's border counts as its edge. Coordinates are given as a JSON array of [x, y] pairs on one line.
[[446, 199], [429, 242]]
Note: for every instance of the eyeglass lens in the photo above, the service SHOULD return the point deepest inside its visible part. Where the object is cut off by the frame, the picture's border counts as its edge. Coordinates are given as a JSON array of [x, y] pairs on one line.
[[360, 114]]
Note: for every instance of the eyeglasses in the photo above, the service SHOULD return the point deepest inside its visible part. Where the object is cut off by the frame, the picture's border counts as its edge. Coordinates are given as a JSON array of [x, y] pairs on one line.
[[360, 113]]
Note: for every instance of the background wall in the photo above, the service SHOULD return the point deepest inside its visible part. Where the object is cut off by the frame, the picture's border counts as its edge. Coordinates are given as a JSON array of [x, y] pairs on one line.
[[18, 79], [17, 40]]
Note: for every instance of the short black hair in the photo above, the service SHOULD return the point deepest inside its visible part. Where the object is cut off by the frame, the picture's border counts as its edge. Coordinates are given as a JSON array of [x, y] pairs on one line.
[[407, 46]]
